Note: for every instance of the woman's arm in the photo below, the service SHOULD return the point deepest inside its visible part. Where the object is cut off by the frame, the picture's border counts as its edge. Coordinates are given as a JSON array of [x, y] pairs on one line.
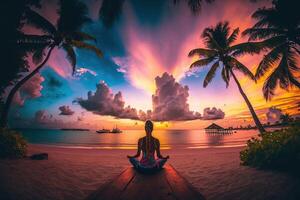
[[158, 150], [139, 149]]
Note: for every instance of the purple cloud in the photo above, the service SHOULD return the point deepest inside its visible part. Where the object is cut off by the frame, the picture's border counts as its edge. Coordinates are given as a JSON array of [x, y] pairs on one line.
[[214, 113], [42, 117], [66, 110], [170, 101], [31, 89], [104, 102]]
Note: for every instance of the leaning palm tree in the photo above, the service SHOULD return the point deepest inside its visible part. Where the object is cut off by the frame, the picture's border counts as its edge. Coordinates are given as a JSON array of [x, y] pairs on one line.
[[13, 56], [66, 34], [279, 29], [221, 53]]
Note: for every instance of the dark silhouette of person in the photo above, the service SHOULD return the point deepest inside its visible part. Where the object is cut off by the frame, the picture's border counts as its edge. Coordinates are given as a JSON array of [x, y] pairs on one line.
[[148, 145]]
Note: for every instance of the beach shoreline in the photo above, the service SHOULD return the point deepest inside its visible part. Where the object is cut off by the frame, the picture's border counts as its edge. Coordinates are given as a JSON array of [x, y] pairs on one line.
[[72, 173]]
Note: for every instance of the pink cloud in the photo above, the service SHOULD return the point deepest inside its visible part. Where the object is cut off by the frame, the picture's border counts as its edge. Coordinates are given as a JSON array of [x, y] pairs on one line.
[[31, 89], [66, 110], [170, 100]]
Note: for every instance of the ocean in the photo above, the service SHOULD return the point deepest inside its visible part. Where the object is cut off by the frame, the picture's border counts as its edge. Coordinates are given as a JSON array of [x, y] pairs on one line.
[[186, 139]]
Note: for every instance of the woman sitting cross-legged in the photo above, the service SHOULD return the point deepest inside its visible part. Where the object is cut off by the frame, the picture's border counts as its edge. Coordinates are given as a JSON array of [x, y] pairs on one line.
[[148, 145]]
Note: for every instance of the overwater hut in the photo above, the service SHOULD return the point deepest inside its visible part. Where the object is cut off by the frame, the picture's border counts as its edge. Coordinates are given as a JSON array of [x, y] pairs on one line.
[[214, 128]]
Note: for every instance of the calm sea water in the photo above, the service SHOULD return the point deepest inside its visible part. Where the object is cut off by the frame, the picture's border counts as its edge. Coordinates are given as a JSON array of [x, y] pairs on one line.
[[127, 140]]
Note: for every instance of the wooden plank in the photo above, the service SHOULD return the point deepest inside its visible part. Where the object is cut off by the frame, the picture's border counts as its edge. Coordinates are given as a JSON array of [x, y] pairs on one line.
[[180, 187], [114, 189], [149, 187], [166, 184]]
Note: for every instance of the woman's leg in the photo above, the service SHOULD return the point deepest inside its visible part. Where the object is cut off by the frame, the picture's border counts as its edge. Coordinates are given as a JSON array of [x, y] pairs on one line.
[[160, 162], [135, 163]]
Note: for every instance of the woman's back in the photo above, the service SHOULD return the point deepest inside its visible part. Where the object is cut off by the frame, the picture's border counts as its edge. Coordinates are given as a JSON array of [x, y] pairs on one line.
[[148, 145]]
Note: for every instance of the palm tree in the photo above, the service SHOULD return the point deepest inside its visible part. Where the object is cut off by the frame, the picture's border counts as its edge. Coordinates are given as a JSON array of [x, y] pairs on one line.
[[66, 34], [13, 56], [279, 29], [221, 53]]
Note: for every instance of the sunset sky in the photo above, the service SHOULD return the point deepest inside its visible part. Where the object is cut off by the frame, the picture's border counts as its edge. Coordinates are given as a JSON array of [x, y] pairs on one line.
[[149, 39]]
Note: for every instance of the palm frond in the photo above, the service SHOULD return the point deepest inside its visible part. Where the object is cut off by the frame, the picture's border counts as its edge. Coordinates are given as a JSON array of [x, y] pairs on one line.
[[293, 80], [38, 21], [110, 11], [71, 56], [233, 36], [264, 17], [269, 60], [83, 36], [83, 45], [242, 68], [73, 15], [270, 85], [211, 74], [279, 76], [225, 76], [38, 55], [261, 33], [34, 39], [202, 52], [210, 41], [202, 62], [246, 48]]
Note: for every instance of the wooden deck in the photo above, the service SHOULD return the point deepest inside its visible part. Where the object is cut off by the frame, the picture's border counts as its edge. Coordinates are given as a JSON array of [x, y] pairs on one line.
[[166, 184]]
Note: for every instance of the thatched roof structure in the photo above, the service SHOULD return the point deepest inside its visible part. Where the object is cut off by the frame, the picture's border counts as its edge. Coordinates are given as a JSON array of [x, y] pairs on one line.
[[214, 126]]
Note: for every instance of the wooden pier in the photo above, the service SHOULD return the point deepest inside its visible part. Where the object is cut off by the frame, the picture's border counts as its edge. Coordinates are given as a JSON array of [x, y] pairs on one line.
[[166, 184], [216, 129]]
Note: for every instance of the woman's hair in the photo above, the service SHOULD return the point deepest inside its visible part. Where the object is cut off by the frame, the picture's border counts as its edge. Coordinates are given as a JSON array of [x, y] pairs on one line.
[[149, 125]]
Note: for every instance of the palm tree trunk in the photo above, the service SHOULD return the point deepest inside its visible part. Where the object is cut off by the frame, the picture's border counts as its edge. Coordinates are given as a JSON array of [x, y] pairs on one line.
[[10, 97], [254, 116]]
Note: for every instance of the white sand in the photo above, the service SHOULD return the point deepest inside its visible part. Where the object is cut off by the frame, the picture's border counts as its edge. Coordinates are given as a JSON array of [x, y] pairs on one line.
[[74, 173]]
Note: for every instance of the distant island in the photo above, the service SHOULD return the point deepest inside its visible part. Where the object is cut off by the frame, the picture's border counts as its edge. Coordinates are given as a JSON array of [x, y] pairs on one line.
[[74, 129]]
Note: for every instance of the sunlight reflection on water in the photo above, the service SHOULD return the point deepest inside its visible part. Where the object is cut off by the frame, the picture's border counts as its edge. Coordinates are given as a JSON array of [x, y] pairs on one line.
[[169, 139]]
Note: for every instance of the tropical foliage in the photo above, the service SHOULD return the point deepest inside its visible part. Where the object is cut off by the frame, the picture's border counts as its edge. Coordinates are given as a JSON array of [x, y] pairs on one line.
[[12, 144], [279, 29], [220, 52], [277, 150], [14, 56], [67, 35]]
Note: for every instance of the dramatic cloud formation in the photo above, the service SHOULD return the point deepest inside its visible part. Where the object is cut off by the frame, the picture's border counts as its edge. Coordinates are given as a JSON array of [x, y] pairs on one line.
[[66, 110], [170, 103], [214, 113], [170, 100], [104, 102], [42, 117], [31, 89], [273, 114], [145, 115]]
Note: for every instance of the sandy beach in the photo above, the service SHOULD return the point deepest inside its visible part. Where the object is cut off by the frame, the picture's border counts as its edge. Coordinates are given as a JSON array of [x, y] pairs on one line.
[[75, 173]]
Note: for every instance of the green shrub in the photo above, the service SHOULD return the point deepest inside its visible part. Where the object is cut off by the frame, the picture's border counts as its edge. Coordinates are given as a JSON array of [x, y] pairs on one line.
[[12, 144], [277, 150]]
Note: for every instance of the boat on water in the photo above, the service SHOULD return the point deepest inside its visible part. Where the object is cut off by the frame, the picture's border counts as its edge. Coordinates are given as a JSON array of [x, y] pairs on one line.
[[114, 130], [103, 131]]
